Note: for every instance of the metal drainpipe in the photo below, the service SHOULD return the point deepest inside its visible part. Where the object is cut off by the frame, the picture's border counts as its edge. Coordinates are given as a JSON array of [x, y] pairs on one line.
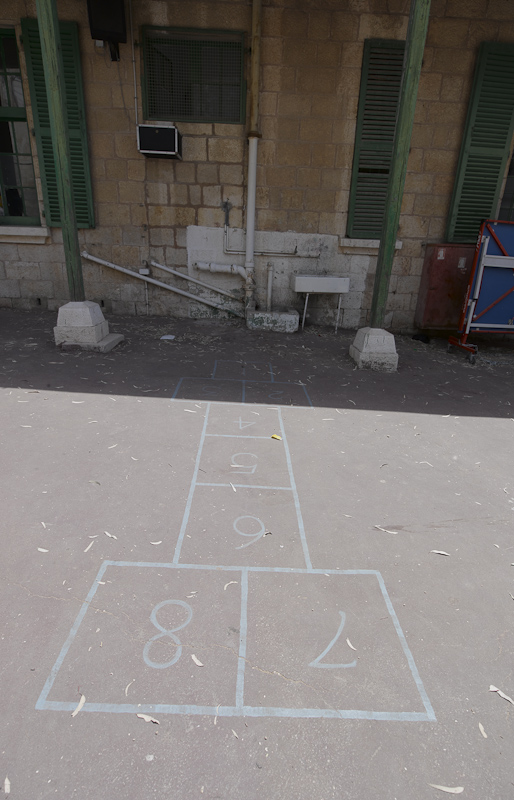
[[253, 139]]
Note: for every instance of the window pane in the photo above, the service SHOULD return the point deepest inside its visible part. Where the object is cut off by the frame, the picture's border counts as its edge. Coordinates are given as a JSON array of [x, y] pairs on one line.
[[6, 138], [10, 170], [4, 97], [26, 171], [18, 195], [21, 136], [11, 53], [15, 91], [31, 203], [18, 184]]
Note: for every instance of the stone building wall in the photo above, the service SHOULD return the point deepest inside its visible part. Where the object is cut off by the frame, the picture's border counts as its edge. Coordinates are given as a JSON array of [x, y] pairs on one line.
[[310, 77]]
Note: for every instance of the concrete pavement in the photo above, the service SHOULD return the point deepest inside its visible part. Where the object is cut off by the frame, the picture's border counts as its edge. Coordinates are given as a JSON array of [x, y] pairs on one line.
[[274, 603]]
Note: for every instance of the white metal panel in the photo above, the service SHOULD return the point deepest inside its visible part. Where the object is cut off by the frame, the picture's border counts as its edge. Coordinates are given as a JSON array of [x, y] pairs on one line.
[[321, 284]]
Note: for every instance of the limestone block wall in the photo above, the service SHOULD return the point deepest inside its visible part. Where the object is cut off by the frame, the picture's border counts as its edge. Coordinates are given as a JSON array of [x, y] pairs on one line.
[[310, 77]]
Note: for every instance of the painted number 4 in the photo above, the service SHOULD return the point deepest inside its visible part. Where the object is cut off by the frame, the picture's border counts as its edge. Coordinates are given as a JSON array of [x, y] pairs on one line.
[[244, 424]]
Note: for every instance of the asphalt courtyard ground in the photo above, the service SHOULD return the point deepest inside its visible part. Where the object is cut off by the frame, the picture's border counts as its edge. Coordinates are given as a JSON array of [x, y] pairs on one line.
[[257, 572]]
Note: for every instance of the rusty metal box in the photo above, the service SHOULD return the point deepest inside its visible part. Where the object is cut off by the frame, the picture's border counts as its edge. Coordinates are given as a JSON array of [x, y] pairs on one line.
[[444, 281]]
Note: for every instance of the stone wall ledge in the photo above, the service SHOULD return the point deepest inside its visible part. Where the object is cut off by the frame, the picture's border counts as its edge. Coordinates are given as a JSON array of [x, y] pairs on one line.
[[21, 234], [364, 245]]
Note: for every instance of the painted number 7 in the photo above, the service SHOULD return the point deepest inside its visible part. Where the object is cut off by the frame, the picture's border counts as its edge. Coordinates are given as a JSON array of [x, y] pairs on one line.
[[316, 661]]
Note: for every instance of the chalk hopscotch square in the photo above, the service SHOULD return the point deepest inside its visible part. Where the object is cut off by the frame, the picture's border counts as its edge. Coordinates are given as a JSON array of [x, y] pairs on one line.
[[141, 627], [283, 394], [243, 462], [238, 420], [249, 527], [209, 389], [261, 655], [298, 657], [243, 370]]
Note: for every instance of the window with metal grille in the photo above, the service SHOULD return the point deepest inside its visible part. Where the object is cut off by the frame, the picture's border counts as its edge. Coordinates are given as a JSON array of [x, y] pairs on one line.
[[485, 145], [18, 196], [381, 77], [193, 76]]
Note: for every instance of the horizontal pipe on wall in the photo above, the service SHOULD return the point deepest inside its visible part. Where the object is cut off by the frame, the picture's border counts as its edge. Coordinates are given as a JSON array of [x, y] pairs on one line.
[[234, 269], [282, 253], [162, 285]]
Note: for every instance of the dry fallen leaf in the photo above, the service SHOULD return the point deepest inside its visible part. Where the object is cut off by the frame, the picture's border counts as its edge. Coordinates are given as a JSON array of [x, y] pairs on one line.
[[42, 550], [448, 789], [502, 694], [81, 703], [482, 731], [275, 436], [348, 642], [156, 542], [7, 786], [228, 584], [440, 553], [196, 660], [148, 718], [379, 527]]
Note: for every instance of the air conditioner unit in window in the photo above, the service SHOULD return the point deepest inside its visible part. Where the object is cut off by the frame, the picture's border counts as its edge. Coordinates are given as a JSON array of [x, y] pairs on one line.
[[159, 141]]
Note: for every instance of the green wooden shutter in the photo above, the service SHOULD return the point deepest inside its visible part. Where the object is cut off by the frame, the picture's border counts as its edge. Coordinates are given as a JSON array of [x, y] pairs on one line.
[[381, 78], [76, 123], [486, 143]]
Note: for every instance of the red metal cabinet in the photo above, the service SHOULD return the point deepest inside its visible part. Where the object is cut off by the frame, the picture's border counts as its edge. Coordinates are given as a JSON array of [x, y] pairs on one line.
[[444, 281]]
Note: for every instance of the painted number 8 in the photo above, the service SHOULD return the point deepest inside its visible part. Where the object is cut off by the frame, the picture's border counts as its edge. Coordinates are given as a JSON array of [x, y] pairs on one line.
[[170, 633]]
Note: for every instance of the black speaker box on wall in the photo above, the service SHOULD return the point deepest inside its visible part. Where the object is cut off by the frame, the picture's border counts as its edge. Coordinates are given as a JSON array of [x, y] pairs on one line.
[[107, 20]]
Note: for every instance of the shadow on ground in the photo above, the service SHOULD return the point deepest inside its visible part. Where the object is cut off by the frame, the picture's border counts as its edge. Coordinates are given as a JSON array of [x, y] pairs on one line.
[[429, 379]]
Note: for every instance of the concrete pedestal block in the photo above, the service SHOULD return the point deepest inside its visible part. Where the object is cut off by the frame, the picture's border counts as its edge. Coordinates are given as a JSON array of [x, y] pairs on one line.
[[80, 334], [82, 325], [277, 321], [374, 348]]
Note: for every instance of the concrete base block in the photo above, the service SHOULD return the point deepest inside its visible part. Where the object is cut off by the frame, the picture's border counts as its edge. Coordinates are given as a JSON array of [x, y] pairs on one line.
[[103, 346], [277, 321], [374, 348], [82, 325], [80, 334]]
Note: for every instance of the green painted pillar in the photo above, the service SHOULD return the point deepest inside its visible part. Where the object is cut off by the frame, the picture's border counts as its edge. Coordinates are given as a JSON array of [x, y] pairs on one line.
[[54, 79], [414, 47]]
